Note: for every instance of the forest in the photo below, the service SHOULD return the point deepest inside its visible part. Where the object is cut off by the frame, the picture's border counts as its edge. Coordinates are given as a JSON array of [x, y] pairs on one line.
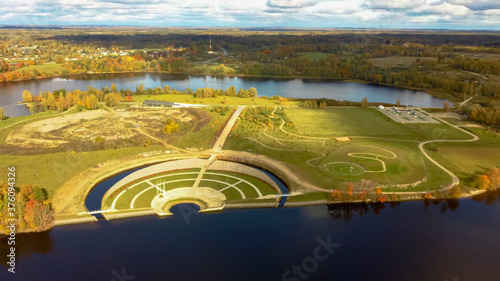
[[458, 66]]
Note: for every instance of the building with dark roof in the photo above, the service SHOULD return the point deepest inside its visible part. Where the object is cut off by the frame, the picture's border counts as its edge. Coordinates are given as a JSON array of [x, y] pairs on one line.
[[157, 103]]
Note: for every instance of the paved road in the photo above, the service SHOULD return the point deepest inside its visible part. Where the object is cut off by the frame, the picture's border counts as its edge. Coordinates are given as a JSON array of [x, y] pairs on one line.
[[225, 133], [214, 59]]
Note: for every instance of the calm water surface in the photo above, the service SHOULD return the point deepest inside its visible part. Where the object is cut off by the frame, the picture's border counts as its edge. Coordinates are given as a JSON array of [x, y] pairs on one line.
[[11, 93], [410, 241]]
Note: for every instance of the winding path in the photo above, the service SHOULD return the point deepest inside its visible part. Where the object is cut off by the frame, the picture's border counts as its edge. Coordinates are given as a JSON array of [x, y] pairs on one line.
[[455, 180]]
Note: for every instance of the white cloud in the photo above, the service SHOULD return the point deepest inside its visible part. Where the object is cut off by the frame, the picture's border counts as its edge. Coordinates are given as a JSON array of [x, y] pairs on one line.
[[443, 9], [320, 13]]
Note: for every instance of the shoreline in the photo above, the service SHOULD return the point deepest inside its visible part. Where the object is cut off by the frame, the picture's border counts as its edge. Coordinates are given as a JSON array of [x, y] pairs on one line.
[[433, 93], [230, 206]]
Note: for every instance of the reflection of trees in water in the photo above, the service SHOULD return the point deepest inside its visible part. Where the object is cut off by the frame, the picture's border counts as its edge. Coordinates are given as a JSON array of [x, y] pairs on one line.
[[444, 204], [346, 211], [26, 244], [489, 198]]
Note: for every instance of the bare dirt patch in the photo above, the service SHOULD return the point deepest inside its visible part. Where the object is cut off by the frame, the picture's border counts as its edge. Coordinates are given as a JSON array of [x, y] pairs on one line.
[[100, 129]]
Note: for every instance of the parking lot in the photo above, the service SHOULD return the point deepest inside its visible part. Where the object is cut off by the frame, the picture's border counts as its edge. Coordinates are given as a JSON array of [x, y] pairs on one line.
[[404, 115]]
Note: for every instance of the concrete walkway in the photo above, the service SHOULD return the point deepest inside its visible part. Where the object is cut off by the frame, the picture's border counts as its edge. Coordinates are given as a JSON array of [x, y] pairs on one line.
[[225, 133]]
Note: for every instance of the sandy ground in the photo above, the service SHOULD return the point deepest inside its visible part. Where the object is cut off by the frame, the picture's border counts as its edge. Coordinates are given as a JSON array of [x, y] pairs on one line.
[[88, 125]]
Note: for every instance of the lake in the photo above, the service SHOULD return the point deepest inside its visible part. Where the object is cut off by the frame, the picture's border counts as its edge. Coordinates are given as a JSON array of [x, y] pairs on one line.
[[448, 240], [11, 93]]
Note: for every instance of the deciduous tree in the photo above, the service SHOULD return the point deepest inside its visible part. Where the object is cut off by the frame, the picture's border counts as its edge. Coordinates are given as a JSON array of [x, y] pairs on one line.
[[364, 102]]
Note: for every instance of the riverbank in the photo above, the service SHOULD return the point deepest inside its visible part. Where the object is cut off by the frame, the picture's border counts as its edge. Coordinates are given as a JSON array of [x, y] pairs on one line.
[[434, 93]]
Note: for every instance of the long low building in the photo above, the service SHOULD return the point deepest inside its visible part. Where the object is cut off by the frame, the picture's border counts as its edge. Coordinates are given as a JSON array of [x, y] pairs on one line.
[[157, 103]]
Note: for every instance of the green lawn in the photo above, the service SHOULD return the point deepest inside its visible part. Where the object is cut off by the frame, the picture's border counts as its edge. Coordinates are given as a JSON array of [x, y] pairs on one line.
[[315, 55], [51, 171], [47, 68], [304, 155], [203, 138], [218, 101], [342, 122]]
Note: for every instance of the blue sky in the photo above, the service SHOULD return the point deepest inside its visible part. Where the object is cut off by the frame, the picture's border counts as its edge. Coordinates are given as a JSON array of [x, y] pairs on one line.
[[437, 14]]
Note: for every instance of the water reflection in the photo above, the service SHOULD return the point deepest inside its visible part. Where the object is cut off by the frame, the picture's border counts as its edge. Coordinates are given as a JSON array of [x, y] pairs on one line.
[[26, 245], [346, 211], [489, 198]]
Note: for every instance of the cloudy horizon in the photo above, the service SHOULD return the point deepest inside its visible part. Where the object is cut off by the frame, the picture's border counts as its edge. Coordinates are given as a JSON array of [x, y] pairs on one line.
[[398, 14]]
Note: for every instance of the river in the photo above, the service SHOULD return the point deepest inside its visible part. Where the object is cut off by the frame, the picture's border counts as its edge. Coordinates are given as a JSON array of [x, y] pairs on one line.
[[11, 93], [448, 240]]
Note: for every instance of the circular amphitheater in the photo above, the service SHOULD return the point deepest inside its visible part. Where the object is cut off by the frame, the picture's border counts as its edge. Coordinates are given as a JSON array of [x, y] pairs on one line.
[[208, 183]]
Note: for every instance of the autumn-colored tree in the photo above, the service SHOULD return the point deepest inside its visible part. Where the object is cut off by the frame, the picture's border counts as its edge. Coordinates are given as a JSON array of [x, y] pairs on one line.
[[378, 191], [51, 101], [140, 89], [398, 103], [363, 194], [2, 113], [128, 99], [113, 88], [171, 126], [482, 182], [494, 177], [30, 213], [27, 96], [382, 199], [446, 106], [91, 102], [428, 195], [336, 192], [27, 192], [350, 188], [364, 102]]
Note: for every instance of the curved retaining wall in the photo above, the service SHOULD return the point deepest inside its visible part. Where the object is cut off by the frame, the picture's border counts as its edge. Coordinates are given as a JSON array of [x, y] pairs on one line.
[[244, 169], [165, 166], [190, 164]]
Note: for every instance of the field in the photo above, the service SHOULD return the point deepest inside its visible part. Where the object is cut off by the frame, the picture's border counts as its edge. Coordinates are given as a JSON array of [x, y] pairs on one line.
[[49, 148], [109, 129], [218, 101], [47, 68], [381, 152], [315, 55], [210, 69], [51, 171], [398, 61]]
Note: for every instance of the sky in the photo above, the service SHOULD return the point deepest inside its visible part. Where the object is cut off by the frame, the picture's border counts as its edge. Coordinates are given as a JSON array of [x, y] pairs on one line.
[[425, 14]]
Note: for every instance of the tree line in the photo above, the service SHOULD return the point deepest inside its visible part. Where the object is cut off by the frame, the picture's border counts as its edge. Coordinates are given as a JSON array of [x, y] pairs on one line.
[[33, 210]]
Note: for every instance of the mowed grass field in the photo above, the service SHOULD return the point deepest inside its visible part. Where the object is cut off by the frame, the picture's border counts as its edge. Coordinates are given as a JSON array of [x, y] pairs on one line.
[[369, 122], [340, 122], [313, 146], [51, 171], [235, 186], [218, 101], [47, 68], [316, 55], [471, 158]]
